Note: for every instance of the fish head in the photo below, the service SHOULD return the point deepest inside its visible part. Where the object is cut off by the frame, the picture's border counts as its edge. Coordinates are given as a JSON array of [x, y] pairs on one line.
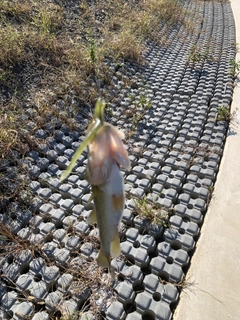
[[105, 149]]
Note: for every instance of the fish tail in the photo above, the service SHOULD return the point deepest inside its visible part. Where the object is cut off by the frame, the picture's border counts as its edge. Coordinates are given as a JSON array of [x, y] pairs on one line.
[[92, 218], [103, 260]]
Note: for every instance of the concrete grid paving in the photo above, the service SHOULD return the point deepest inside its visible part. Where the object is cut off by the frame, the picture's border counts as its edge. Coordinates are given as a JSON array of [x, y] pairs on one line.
[[175, 153]]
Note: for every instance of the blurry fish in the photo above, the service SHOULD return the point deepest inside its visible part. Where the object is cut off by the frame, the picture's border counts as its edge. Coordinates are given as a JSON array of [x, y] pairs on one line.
[[106, 153], [106, 149], [109, 202]]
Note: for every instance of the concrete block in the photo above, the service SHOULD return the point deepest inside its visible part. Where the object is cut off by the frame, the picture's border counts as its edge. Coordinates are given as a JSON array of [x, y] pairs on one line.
[[193, 214], [196, 191], [72, 243], [53, 169], [188, 226], [64, 189], [139, 256], [173, 172], [68, 308], [116, 311], [166, 269], [36, 265], [146, 242], [49, 248], [50, 274], [41, 134], [64, 282], [171, 255], [134, 316], [62, 256], [130, 273], [166, 292], [43, 148], [190, 203], [67, 205], [59, 235], [88, 250], [174, 236], [35, 187], [62, 162], [23, 310], [69, 221], [137, 192], [24, 281], [56, 215], [46, 228], [58, 135], [38, 289], [55, 199], [82, 228], [43, 164], [51, 155], [10, 270], [45, 208], [203, 172], [142, 162], [127, 216], [163, 201], [8, 300], [77, 210], [34, 171], [194, 179], [45, 193], [53, 300], [152, 309], [42, 315], [131, 179], [60, 148], [67, 141], [125, 292], [86, 198], [76, 195], [143, 183], [34, 238]]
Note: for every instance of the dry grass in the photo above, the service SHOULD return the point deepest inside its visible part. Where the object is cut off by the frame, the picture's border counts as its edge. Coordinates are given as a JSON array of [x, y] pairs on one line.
[[153, 212], [74, 47], [49, 49]]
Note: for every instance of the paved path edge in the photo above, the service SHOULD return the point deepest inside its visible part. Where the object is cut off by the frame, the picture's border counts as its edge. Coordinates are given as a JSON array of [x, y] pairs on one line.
[[213, 280]]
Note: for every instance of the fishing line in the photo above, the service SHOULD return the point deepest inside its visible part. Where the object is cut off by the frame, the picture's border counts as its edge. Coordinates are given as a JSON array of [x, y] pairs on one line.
[[94, 56]]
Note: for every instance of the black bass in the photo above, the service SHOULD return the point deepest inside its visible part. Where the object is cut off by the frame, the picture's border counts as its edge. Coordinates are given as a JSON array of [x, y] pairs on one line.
[[106, 153], [109, 202]]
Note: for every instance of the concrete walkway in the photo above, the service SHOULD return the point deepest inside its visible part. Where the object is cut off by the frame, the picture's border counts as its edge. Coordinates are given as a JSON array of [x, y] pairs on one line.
[[215, 267]]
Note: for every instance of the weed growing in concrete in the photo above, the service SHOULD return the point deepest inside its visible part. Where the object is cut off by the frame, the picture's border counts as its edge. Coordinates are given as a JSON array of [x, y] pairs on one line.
[[235, 69], [155, 213], [224, 114]]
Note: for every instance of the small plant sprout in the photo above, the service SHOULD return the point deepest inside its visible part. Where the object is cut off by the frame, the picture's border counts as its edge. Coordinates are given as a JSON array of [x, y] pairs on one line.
[[156, 214], [235, 68], [224, 114]]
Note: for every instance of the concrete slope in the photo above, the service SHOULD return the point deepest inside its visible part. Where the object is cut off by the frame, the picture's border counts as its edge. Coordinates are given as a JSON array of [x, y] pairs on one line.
[[215, 266]]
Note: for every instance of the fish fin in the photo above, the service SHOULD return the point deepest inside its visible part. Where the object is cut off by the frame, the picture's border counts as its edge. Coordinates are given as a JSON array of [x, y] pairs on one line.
[[105, 262], [115, 246], [102, 260], [92, 218], [91, 198]]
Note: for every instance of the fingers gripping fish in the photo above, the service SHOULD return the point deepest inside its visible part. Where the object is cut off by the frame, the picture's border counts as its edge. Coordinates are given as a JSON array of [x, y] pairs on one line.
[[106, 153]]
